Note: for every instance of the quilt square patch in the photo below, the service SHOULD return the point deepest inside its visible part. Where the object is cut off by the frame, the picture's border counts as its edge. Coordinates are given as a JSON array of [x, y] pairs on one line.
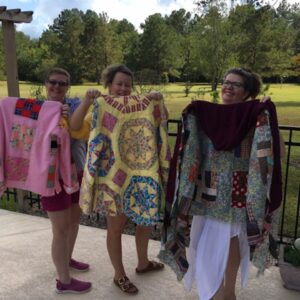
[[17, 168], [244, 149], [51, 177], [209, 198], [210, 179], [193, 173], [28, 108], [109, 121], [263, 166], [262, 120], [108, 201], [21, 137], [119, 178], [239, 189], [53, 145], [209, 186], [264, 149]]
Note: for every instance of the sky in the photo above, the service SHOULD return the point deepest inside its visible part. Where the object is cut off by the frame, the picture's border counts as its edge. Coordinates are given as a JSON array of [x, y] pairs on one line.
[[135, 11]]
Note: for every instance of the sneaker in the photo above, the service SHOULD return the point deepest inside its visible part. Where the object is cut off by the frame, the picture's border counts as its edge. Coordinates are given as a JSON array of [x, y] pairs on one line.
[[78, 266], [74, 287]]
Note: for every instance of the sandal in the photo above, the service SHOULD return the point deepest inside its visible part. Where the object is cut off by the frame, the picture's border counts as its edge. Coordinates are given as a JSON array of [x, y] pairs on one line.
[[152, 266], [125, 285]]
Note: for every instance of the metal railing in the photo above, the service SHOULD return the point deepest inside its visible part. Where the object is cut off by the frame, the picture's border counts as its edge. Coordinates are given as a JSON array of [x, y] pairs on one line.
[[290, 143], [11, 194]]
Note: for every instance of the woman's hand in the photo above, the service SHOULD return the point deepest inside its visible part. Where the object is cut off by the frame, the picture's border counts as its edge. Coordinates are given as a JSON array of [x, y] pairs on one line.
[[65, 111], [265, 99], [77, 119], [156, 95], [91, 95]]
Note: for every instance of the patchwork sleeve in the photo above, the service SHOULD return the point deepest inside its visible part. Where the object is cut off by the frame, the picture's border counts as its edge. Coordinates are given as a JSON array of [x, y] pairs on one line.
[[260, 168], [190, 159], [175, 232], [261, 226]]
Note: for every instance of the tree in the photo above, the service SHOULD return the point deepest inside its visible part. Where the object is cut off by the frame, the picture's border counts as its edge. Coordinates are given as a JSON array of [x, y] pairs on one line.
[[181, 21], [29, 57], [110, 50], [66, 33], [91, 41], [296, 66], [291, 14], [159, 47], [213, 44], [263, 41], [128, 40]]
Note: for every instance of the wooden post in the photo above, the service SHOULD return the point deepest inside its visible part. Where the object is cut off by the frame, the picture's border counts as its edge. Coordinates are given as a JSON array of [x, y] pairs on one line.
[[9, 17], [10, 58]]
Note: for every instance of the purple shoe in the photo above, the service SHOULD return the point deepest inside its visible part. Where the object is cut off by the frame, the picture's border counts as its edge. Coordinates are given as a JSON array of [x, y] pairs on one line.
[[78, 266], [74, 287]]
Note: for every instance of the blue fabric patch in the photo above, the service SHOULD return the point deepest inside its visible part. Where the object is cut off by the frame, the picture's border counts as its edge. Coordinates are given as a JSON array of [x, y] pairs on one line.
[[73, 103]]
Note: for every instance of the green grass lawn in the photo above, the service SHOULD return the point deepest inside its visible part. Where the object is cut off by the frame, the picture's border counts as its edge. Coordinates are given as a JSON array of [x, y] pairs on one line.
[[285, 96], [7, 202]]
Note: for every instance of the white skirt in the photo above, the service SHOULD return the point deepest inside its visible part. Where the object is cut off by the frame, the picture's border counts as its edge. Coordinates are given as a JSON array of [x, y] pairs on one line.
[[208, 254]]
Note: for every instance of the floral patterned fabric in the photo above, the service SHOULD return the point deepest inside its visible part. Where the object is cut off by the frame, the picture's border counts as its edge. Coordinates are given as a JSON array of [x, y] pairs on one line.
[[230, 186], [128, 159]]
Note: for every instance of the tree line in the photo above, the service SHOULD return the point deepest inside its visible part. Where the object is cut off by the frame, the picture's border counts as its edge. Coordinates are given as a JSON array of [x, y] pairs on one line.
[[180, 47]]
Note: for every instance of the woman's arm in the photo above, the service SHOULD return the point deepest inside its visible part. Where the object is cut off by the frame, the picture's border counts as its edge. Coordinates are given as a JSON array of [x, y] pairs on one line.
[[77, 118]]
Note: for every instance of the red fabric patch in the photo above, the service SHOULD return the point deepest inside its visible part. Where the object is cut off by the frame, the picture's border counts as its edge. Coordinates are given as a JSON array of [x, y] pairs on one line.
[[192, 174], [239, 189], [262, 120], [28, 108]]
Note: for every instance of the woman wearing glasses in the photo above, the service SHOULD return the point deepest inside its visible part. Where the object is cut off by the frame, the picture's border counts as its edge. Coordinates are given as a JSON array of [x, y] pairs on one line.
[[230, 182], [63, 209], [240, 85]]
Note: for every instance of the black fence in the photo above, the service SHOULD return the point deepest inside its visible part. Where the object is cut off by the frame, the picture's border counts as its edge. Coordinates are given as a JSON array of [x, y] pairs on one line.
[[292, 141]]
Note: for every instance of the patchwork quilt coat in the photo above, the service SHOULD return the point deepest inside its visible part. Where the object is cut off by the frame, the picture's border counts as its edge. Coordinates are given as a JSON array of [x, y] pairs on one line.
[[229, 170], [34, 148], [128, 157]]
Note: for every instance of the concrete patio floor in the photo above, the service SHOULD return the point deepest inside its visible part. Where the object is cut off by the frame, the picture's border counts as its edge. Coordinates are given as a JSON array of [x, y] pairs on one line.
[[27, 272]]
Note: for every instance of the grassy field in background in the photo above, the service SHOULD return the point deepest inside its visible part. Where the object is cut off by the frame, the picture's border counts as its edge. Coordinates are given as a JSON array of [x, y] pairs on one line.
[[285, 96]]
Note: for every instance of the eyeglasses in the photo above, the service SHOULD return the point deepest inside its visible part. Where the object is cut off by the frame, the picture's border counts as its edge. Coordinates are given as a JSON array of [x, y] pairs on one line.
[[235, 85], [55, 82]]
